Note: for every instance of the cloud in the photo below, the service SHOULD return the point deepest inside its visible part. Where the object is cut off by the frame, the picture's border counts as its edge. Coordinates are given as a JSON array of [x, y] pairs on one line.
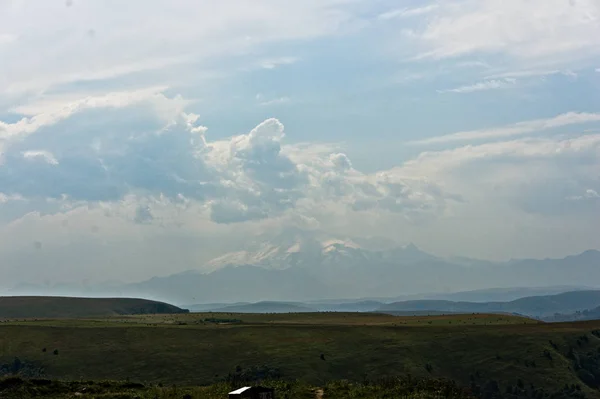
[[341, 161], [407, 12], [535, 176], [60, 112], [42, 155], [143, 214], [538, 29], [517, 129], [6, 38], [275, 101], [179, 43], [482, 86], [530, 148], [276, 62], [589, 194], [533, 73], [105, 149]]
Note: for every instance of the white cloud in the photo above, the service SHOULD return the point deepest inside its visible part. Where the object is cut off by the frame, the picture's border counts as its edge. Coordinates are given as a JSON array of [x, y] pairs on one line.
[[440, 161], [517, 129], [533, 73], [473, 64], [54, 113], [588, 195], [570, 74], [482, 86], [533, 29], [7, 38], [172, 45], [46, 156], [407, 12], [246, 177], [340, 161], [276, 62], [274, 101]]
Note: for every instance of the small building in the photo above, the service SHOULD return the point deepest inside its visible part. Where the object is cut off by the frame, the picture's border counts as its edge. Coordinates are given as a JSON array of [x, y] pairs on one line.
[[253, 393]]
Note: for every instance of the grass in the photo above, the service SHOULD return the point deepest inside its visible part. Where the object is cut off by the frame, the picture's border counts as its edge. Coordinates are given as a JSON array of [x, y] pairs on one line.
[[399, 388], [206, 348], [49, 306]]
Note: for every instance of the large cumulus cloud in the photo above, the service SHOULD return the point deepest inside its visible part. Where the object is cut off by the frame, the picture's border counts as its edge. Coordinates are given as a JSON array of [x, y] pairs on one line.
[[102, 150]]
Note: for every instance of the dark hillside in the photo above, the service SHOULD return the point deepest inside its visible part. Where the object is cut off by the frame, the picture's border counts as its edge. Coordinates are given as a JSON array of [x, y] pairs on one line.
[[67, 307]]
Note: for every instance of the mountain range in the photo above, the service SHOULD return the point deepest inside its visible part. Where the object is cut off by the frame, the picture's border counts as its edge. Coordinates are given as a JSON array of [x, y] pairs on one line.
[[302, 266], [571, 305], [537, 306]]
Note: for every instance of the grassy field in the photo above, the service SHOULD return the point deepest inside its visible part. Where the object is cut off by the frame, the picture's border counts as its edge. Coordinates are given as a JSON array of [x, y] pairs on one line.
[[194, 349], [14, 387]]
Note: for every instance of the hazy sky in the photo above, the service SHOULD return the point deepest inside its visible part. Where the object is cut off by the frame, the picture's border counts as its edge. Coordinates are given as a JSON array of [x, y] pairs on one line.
[[143, 137]]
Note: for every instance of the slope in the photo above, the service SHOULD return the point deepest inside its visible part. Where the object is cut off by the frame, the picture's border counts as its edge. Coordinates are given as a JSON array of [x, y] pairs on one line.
[[68, 307], [538, 306]]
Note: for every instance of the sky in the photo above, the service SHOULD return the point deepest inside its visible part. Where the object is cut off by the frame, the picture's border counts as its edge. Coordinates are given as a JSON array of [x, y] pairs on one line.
[[146, 137]]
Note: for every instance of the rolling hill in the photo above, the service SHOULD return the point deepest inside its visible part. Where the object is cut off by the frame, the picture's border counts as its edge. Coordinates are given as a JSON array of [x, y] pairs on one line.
[[265, 307], [67, 307], [586, 314], [535, 306], [573, 305]]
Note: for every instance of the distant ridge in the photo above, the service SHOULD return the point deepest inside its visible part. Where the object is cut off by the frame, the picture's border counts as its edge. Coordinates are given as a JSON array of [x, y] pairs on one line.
[[266, 307], [536, 306], [297, 269], [70, 307]]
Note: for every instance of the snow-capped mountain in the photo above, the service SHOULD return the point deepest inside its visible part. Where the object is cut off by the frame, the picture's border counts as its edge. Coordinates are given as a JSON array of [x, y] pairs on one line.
[[297, 265], [289, 249]]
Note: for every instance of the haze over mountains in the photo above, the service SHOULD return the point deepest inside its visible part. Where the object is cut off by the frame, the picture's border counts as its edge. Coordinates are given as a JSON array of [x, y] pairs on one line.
[[305, 266], [573, 305]]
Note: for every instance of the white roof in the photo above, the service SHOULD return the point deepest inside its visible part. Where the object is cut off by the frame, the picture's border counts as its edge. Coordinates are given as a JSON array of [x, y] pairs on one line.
[[238, 391]]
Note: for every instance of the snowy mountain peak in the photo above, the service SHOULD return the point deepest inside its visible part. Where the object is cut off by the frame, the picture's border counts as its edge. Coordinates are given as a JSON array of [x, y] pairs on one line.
[[336, 245], [313, 250], [285, 250]]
